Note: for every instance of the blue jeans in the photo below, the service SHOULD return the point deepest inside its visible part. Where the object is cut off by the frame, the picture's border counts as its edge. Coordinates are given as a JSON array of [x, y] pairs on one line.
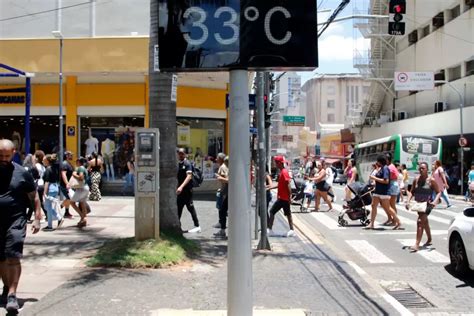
[[129, 182], [48, 205], [444, 196]]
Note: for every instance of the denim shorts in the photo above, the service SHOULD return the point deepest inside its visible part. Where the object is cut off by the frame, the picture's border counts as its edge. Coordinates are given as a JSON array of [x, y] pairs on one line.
[[393, 188]]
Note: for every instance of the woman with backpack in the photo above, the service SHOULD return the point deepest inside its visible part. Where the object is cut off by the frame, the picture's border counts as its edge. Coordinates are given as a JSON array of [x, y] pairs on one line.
[[423, 190], [51, 191]]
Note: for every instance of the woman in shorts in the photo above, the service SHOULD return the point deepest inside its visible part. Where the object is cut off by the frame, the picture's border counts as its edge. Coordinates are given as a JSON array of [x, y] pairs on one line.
[[422, 190], [321, 187], [80, 195], [381, 194]]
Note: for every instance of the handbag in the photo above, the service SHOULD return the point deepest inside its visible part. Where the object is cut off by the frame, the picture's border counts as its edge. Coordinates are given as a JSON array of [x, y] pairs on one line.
[[75, 184], [419, 207]]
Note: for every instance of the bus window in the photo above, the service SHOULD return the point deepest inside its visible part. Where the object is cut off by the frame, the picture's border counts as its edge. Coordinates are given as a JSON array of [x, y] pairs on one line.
[[385, 147], [392, 146], [378, 148]]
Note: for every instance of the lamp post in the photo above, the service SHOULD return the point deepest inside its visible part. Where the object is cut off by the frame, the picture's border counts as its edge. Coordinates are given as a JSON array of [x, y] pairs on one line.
[[59, 35]]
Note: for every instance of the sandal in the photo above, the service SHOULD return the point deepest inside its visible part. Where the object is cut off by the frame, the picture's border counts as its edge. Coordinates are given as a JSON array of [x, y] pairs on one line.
[[413, 249]]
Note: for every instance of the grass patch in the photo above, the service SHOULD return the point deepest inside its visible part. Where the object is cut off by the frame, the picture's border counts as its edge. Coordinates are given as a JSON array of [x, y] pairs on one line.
[[128, 253]]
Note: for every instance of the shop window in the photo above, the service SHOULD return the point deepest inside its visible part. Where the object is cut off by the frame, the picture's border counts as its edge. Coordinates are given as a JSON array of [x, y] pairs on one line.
[[113, 138], [202, 139]]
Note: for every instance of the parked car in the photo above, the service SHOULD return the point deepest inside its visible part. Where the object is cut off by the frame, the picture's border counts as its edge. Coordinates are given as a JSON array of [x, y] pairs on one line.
[[461, 242], [340, 178]]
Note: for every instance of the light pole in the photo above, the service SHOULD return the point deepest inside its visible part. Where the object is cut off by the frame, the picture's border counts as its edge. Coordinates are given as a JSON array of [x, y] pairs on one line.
[[59, 35]]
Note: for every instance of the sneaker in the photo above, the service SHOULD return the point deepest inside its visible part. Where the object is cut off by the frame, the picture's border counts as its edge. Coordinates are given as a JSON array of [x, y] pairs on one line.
[[291, 233], [220, 234], [60, 223], [196, 229], [334, 199], [12, 304], [3, 299], [218, 225], [450, 205], [48, 229]]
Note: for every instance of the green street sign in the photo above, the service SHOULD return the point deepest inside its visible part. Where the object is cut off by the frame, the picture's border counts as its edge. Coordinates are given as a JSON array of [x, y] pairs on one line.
[[293, 120]]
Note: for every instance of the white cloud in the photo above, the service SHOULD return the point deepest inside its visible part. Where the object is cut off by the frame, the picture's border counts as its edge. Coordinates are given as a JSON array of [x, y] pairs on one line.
[[337, 47]]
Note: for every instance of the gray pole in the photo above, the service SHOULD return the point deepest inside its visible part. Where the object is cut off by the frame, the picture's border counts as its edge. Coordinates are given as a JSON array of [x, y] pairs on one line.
[[61, 136], [239, 263], [262, 201], [268, 140]]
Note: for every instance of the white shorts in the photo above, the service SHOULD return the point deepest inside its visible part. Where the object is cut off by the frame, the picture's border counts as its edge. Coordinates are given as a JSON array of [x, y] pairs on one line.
[[382, 197], [80, 195]]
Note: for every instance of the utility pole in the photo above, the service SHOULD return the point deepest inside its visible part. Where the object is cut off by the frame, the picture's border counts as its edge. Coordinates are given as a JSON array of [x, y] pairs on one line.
[[268, 138]]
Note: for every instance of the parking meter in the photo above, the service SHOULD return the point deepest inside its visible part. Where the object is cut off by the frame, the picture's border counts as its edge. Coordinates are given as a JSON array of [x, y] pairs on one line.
[[147, 210]]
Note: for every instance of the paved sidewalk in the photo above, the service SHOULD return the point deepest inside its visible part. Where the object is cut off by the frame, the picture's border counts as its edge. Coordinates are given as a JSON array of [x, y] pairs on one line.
[[299, 276]]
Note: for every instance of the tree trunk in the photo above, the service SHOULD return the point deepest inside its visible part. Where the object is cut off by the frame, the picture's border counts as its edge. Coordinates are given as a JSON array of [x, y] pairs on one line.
[[163, 117]]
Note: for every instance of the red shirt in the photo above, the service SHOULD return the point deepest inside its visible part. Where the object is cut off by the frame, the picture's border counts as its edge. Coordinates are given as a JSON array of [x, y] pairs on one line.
[[283, 180], [393, 172]]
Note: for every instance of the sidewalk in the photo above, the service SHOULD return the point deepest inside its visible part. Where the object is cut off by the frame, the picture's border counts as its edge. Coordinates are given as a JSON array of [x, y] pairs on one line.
[[299, 276]]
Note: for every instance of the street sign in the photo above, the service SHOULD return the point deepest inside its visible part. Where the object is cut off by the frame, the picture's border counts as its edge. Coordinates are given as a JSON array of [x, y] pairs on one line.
[[462, 142], [198, 35], [293, 120], [252, 98], [414, 81]]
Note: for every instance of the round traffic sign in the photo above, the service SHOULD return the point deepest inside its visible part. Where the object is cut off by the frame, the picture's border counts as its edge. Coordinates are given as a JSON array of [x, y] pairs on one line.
[[462, 141]]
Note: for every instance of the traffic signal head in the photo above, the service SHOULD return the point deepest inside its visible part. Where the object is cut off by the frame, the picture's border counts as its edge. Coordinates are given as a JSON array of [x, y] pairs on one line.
[[396, 26]]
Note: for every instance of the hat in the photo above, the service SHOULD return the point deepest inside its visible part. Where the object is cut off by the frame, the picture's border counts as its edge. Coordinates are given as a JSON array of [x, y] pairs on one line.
[[181, 150], [67, 152], [280, 159]]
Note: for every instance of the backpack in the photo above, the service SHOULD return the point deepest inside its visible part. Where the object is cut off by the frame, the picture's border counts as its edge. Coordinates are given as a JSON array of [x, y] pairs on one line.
[[197, 177]]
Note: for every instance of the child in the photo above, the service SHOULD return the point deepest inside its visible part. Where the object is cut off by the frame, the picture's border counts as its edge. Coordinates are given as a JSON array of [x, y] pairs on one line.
[[308, 193]]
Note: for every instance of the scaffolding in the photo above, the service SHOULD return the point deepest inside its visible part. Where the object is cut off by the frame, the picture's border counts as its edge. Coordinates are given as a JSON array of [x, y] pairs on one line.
[[376, 64]]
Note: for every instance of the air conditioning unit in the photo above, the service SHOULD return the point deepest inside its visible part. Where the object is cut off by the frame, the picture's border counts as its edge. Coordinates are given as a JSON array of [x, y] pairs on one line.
[[440, 107], [402, 115]]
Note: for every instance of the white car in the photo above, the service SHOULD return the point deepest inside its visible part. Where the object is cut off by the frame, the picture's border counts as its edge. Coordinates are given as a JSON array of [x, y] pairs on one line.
[[461, 242]]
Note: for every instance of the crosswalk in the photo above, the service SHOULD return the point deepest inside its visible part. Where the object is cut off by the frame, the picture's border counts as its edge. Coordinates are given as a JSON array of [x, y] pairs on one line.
[[384, 246]]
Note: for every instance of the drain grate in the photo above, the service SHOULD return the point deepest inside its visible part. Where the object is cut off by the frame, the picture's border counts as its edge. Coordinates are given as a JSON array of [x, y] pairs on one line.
[[409, 298]]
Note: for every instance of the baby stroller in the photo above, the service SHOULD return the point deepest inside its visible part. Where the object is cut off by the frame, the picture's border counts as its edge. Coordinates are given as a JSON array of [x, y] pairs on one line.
[[355, 208], [297, 192]]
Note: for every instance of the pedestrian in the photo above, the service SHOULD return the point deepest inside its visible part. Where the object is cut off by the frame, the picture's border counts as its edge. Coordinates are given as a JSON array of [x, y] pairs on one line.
[[393, 188], [401, 184], [440, 177], [223, 178], [17, 189], [184, 192], [404, 179], [351, 174], [129, 176], [29, 165], [51, 191], [39, 156], [95, 166], [330, 175], [283, 198], [79, 191], [381, 195], [268, 187], [321, 186], [470, 188], [308, 193], [66, 174], [426, 193]]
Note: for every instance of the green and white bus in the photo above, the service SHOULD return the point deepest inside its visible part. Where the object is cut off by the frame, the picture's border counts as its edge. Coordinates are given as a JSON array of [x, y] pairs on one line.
[[405, 149]]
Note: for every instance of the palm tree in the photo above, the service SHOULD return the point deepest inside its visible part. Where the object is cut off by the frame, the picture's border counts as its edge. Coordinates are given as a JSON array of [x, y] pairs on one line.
[[163, 116]]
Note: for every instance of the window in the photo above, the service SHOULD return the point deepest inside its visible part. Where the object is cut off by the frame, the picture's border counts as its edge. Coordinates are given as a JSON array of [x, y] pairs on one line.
[[365, 91], [347, 94], [331, 118], [439, 76], [454, 73], [425, 31], [352, 94], [331, 104], [470, 67], [357, 95], [438, 20], [455, 12], [331, 90]]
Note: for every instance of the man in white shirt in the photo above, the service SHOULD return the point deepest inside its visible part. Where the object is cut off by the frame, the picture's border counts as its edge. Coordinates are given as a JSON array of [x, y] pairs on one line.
[[329, 179]]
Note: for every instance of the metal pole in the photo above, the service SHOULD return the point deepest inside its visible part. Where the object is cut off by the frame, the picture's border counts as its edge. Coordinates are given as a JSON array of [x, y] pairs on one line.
[[61, 136], [262, 201], [27, 115], [239, 264], [268, 140]]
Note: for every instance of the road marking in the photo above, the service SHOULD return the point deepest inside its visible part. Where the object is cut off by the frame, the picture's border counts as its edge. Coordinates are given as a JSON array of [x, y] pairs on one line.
[[431, 217], [400, 232], [446, 212], [387, 297], [369, 252], [307, 234], [327, 221], [429, 254]]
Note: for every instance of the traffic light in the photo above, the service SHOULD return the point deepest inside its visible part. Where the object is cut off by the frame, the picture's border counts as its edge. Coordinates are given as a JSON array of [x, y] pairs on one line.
[[268, 110], [396, 10]]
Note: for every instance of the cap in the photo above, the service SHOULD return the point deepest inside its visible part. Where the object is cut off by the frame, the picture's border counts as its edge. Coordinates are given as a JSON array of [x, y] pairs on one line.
[[181, 150], [280, 159], [67, 152]]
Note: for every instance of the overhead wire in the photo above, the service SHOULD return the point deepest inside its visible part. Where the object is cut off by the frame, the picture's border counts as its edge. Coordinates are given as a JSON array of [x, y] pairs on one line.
[[45, 11]]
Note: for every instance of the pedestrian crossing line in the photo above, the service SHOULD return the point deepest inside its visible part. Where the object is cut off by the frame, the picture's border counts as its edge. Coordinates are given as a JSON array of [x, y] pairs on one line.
[[406, 221], [307, 232], [401, 232], [369, 252], [327, 221], [445, 212], [429, 254], [431, 217]]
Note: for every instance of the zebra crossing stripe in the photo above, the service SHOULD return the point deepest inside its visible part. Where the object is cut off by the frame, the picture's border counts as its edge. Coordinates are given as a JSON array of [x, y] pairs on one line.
[[431, 217], [427, 253], [327, 221], [369, 252], [306, 231]]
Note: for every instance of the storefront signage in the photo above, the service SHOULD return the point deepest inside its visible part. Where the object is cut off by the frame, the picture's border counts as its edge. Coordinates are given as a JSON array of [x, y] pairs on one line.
[[251, 34], [414, 81], [293, 120], [184, 135], [71, 131], [174, 88]]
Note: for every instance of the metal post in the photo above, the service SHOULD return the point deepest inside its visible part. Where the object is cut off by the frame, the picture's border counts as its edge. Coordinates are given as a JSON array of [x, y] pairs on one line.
[[61, 136], [27, 115], [268, 140], [239, 264], [262, 201]]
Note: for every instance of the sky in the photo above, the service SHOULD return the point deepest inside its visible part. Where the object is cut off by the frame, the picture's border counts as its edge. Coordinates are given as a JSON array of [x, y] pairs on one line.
[[336, 45]]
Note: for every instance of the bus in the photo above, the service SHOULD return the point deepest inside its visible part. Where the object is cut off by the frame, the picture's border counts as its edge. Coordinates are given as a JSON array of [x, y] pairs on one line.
[[405, 149]]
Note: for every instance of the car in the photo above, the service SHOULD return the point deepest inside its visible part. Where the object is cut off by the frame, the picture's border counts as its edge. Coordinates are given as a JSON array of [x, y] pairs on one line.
[[461, 242], [340, 178]]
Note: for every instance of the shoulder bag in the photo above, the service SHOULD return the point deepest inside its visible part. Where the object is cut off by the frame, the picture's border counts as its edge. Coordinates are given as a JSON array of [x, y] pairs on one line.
[[75, 184]]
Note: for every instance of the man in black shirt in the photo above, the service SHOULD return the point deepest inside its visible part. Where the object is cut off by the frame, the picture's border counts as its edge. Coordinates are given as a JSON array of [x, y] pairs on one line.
[[185, 189], [17, 189], [66, 173]]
